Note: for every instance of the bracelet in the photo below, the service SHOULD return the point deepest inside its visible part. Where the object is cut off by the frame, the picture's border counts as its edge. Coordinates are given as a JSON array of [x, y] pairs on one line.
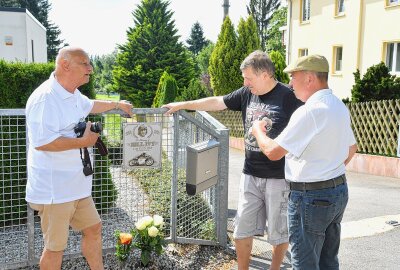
[[116, 106]]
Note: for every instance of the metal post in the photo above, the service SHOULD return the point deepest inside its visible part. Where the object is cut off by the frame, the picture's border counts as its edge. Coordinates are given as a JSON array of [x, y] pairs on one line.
[[226, 6], [222, 214], [174, 189]]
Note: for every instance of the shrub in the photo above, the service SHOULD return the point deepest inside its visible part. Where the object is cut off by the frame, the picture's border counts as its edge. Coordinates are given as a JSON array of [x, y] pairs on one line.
[[193, 211], [376, 84], [195, 90]]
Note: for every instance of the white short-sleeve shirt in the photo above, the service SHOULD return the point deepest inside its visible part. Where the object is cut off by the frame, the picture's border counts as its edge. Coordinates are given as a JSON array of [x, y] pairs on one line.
[[317, 138], [53, 112]]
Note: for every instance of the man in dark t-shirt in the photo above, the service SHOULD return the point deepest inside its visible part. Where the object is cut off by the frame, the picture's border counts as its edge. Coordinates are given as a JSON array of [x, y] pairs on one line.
[[263, 192]]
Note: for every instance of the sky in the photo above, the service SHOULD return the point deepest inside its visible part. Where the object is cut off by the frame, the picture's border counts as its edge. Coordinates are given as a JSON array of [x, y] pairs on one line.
[[98, 26]]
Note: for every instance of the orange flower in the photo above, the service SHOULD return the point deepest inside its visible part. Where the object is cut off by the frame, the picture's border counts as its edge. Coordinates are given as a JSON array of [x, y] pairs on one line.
[[125, 238]]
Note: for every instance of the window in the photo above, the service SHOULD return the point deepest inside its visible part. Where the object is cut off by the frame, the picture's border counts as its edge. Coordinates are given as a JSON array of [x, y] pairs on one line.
[[338, 57], [305, 10], [392, 2], [303, 52], [393, 57], [340, 7]]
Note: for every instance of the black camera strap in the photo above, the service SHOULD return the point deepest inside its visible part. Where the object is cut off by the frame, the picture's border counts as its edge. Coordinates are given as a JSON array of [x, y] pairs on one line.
[[87, 164]]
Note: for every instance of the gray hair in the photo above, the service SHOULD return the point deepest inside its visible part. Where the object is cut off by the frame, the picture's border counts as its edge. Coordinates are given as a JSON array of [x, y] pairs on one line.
[[66, 53], [321, 76], [259, 61]]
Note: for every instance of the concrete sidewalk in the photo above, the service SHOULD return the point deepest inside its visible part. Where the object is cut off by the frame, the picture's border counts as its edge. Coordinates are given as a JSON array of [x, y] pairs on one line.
[[368, 241]]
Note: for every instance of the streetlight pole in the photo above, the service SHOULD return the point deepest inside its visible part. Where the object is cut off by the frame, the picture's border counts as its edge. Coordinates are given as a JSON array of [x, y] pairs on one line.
[[226, 6]]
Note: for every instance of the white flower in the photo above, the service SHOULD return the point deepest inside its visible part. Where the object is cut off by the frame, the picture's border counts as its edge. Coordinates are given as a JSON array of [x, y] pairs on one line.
[[153, 231], [148, 220], [140, 225], [158, 220]]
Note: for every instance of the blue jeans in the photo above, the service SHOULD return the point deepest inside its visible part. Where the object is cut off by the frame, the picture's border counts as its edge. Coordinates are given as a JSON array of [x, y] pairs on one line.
[[314, 227]]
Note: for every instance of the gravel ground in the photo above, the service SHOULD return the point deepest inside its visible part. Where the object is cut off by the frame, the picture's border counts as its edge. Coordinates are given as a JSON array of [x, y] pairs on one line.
[[176, 256], [130, 206]]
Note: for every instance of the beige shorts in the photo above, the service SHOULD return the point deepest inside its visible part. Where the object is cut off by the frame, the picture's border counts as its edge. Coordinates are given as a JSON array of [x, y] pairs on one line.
[[262, 201], [55, 220]]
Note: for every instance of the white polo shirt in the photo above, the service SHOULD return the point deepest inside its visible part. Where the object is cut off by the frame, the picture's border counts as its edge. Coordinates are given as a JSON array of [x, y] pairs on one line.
[[55, 177], [317, 138]]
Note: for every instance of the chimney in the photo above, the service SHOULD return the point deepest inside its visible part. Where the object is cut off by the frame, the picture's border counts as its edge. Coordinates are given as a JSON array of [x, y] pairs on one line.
[[226, 8]]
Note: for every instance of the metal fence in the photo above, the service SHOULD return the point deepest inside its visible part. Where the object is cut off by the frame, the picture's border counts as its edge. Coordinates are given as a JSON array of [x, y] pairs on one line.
[[122, 196]]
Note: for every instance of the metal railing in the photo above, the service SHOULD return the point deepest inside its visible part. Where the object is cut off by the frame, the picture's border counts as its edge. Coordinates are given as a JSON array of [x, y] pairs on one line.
[[122, 196]]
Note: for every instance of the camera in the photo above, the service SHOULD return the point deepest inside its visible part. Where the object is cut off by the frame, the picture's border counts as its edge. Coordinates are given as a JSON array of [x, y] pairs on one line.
[[81, 126]]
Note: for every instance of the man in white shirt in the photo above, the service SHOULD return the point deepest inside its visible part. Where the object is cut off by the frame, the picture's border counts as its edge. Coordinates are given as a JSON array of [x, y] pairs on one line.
[[57, 187], [318, 142]]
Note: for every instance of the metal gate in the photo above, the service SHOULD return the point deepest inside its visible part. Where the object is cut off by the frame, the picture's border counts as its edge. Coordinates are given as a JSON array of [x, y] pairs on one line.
[[122, 196]]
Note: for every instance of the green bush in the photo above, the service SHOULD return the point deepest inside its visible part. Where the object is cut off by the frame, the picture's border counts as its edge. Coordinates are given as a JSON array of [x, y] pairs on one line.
[[376, 84], [194, 217], [195, 90], [17, 82]]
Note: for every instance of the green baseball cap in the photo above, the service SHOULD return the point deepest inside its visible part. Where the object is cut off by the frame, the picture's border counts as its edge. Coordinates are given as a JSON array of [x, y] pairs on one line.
[[314, 62]]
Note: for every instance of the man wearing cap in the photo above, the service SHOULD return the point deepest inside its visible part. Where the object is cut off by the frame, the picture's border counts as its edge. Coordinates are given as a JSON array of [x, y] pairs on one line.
[[263, 192], [318, 142]]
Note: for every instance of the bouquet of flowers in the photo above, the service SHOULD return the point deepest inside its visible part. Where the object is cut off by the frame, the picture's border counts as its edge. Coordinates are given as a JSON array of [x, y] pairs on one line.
[[123, 246], [148, 236]]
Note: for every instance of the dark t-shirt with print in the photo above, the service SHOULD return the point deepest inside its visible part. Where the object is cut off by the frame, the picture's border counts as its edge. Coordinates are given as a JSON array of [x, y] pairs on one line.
[[275, 107]]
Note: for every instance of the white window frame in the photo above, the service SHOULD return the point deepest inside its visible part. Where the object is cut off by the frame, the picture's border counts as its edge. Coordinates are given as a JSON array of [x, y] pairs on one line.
[[337, 63], [390, 3], [305, 10], [393, 56], [303, 52]]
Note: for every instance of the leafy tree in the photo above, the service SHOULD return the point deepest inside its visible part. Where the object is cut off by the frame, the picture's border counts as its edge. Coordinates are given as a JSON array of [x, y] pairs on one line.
[[103, 66], [195, 90], [151, 49], [262, 11], [40, 10], [203, 58], [279, 62], [248, 40], [224, 66], [196, 41], [376, 84], [274, 35]]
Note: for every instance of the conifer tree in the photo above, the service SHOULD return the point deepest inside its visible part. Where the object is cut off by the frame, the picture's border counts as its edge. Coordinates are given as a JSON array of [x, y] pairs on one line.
[[157, 98], [152, 48], [248, 40], [169, 90], [195, 90], [224, 66], [279, 62], [196, 41]]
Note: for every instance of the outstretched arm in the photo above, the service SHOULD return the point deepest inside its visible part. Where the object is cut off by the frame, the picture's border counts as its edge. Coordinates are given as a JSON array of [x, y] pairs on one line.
[[204, 104]]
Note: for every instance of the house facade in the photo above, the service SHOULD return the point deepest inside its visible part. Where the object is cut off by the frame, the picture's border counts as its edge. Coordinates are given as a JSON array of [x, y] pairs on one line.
[[22, 37], [351, 34]]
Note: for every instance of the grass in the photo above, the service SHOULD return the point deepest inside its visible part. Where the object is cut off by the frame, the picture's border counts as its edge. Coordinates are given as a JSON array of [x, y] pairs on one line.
[[112, 122], [112, 97]]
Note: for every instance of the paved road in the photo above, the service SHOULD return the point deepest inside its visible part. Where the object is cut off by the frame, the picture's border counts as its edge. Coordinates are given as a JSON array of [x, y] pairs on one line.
[[368, 242]]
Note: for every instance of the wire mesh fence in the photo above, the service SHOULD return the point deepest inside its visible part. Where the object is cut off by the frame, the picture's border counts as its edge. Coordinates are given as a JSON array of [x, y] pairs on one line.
[[122, 195]]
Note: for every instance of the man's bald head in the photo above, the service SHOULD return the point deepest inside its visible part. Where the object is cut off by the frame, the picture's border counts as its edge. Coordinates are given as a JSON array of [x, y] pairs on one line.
[[67, 53]]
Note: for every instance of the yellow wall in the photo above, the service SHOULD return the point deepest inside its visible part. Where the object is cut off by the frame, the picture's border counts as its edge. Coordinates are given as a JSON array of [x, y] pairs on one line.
[[325, 30]]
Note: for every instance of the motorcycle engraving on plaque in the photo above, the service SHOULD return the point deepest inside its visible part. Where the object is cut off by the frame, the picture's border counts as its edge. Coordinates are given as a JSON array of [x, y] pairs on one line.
[[142, 145]]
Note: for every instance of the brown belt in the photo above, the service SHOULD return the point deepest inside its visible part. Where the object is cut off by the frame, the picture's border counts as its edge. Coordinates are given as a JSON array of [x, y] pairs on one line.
[[304, 186]]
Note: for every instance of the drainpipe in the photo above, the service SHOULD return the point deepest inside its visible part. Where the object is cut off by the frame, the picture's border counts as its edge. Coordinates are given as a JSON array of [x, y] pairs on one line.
[[360, 35], [289, 32]]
